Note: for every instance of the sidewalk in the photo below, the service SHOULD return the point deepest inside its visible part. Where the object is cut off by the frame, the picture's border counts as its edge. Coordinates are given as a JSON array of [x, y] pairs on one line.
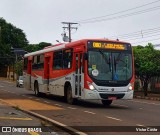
[[13, 117], [150, 96], [25, 106]]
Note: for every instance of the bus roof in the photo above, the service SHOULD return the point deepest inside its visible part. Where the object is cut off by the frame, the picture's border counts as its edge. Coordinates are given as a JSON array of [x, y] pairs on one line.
[[71, 44]]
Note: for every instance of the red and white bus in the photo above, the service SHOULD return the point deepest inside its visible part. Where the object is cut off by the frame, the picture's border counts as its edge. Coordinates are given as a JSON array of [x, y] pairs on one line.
[[89, 69]]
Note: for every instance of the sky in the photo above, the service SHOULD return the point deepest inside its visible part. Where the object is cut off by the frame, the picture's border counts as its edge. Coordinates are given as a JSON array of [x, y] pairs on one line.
[[134, 21]]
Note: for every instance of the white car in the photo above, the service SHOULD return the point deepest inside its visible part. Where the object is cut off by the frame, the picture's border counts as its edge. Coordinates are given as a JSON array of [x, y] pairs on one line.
[[20, 82]]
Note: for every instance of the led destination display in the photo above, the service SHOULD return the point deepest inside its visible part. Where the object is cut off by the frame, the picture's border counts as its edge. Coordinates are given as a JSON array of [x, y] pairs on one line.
[[109, 45]]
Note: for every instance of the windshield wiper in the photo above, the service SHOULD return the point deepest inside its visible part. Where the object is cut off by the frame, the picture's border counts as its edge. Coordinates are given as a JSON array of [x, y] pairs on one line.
[[106, 59], [119, 56], [115, 64]]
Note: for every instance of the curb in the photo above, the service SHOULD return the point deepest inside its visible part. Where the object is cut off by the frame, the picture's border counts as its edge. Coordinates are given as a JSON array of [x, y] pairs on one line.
[[51, 121], [5, 79], [148, 98]]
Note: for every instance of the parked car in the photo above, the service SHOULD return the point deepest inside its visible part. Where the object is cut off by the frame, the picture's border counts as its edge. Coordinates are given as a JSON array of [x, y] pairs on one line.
[[20, 82]]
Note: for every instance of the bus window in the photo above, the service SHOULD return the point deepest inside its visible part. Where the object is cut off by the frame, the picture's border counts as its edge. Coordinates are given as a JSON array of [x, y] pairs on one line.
[[38, 62], [57, 60], [67, 59], [34, 62]]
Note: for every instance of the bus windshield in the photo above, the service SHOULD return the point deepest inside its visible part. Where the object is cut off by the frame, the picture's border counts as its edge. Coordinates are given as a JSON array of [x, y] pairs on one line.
[[109, 65]]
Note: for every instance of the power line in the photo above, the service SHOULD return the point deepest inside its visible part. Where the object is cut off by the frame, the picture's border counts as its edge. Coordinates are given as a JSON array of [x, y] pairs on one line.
[[141, 35], [138, 33], [125, 15], [144, 37], [147, 33], [146, 41], [156, 45], [81, 21]]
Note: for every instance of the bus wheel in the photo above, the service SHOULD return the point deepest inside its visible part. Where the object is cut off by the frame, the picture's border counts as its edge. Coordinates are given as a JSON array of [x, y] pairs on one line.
[[36, 90], [106, 102], [69, 97]]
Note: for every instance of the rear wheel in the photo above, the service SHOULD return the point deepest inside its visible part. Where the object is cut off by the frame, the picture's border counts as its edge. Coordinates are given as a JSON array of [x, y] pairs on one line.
[[69, 97], [106, 102]]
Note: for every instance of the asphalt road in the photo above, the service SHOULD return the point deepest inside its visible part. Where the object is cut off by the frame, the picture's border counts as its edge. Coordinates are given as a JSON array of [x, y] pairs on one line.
[[90, 117]]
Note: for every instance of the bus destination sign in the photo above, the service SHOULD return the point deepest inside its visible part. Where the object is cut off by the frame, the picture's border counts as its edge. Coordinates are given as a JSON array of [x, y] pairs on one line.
[[109, 45]]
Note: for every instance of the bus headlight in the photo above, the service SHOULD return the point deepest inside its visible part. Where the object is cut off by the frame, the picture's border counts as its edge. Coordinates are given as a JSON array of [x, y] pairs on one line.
[[91, 87], [130, 88]]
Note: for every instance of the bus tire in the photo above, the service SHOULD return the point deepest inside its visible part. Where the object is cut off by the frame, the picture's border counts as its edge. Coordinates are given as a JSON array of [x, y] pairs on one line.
[[106, 102], [69, 97], [36, 90]]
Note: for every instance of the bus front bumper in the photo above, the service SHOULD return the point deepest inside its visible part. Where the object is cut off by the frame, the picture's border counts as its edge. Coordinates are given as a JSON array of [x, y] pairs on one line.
[[95, 95]]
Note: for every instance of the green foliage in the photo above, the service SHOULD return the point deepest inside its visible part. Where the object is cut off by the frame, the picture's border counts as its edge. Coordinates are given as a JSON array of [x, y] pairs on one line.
[[36, 47], [18, 67], [136, 85], [147, 63], [11, 36]]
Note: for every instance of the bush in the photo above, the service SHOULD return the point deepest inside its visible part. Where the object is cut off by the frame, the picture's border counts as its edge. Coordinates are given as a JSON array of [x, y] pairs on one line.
[[137, 85]]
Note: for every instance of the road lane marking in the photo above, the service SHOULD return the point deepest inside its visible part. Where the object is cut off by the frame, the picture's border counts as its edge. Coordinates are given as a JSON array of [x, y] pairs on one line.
[[13, 118], [1, 86], [12, 92], [113, 118], [7, 81], [121, 105], [140, 125], [37, 99], [33, 133], [144, 102], [89, 112], [72, 108], [58, 104], [47, 102], [9, 91], [30, 97]]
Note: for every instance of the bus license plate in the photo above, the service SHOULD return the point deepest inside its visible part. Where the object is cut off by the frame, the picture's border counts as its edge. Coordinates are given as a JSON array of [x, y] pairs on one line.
[[112, 98]]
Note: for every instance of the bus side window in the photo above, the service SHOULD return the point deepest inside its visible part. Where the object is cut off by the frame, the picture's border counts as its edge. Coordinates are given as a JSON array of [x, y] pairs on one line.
[[34, 62], [57, 60], [67, 58]]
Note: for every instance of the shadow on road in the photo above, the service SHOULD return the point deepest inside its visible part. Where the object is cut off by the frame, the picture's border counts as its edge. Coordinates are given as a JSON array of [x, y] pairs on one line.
[[87, 104]]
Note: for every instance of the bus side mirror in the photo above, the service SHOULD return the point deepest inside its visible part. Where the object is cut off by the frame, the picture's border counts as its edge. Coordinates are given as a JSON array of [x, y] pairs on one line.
[[85, 56]]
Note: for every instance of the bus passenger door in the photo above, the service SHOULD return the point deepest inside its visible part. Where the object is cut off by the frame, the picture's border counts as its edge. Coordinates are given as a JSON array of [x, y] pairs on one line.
[[78, 73], [46, 74]]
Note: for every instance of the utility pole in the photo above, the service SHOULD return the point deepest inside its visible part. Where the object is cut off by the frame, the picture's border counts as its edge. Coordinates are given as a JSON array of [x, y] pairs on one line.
[[69, 28]]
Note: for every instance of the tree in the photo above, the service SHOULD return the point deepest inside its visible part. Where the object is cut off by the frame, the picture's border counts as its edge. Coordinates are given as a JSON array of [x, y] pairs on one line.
[[11, 36], [147, 64], [36, 47], [18, 68]]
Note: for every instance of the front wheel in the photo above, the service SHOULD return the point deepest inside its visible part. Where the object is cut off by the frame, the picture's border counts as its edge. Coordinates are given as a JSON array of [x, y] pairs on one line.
[[69, 97], [106, 102]]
